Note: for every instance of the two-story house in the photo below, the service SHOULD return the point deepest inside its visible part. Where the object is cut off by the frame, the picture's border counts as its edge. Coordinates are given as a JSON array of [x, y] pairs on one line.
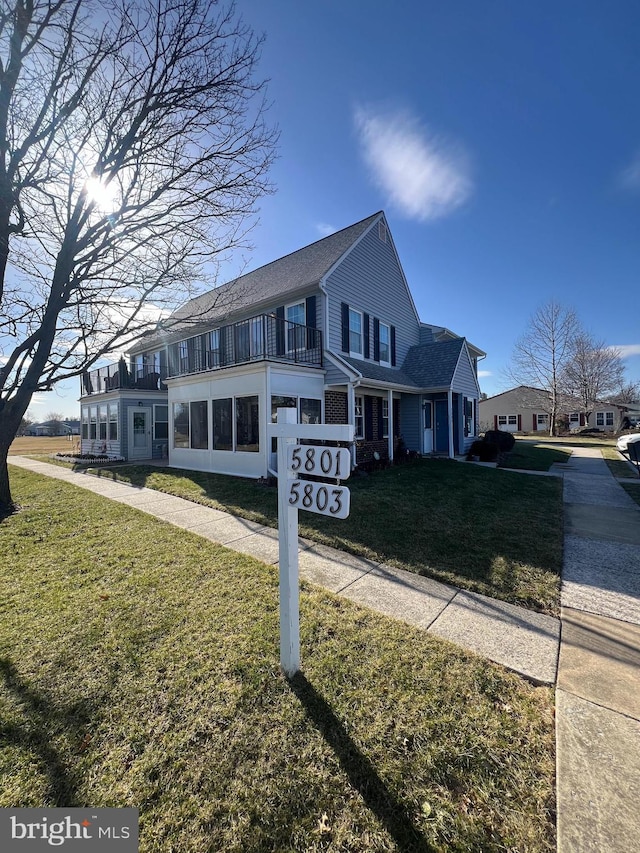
[[331, 329]]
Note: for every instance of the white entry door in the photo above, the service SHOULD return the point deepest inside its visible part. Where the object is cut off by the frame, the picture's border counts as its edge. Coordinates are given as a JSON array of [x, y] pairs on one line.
[[427, 441], [140, 433]]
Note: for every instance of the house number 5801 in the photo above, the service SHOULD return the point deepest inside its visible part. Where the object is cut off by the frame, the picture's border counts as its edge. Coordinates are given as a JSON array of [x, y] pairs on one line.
[[332, 462]]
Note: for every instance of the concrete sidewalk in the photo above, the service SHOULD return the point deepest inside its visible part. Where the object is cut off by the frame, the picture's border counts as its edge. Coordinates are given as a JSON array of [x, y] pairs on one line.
[[519, 639], [598, 690]]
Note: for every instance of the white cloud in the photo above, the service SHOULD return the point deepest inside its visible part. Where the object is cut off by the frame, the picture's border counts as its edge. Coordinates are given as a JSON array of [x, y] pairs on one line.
[[484, 373], [629, 178], [423, 175], [325, 229], [627, 350]]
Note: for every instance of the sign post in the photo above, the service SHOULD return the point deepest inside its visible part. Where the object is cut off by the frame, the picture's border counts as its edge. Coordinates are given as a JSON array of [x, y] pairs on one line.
[[288, 555], [330, 499]]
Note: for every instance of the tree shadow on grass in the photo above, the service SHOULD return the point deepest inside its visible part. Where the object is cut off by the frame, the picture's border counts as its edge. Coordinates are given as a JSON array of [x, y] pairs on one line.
[[41, 717], [361, 773]]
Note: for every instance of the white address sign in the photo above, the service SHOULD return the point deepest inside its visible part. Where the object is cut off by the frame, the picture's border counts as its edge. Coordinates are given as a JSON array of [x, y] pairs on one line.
[[323, 498], [334, 462]]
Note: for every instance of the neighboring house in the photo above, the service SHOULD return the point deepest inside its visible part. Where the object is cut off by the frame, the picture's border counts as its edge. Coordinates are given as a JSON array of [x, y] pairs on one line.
[[331, 330], [526, 409], [54, 428]]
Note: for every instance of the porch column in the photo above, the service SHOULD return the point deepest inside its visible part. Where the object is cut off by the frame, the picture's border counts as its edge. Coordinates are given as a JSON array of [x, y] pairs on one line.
[[391, 422], [450, 413], [351, 417]]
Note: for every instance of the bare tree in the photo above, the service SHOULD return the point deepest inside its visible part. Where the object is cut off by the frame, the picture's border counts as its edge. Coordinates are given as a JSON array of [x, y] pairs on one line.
[[593, 372], [133, 147], [541, 354], [55, 419], [628, 392], [25, 423]]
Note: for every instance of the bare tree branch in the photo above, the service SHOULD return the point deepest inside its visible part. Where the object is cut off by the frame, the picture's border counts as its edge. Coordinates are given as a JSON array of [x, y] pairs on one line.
[[543, 352], [133, 149]]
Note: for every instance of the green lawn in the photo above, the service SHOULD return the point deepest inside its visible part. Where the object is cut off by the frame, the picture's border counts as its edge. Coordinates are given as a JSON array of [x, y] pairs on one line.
[[535, 455], [139, 668], [489, 531]]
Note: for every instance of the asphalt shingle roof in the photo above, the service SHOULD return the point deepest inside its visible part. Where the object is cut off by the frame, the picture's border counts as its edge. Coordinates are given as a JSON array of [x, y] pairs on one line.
[[274, 281], [433, 365], [371, 370]]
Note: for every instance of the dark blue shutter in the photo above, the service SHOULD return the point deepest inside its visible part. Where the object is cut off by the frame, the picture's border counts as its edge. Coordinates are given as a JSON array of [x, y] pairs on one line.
[[365, 330], [376, 339], [280, 330], [393, 346], [311, 321], [345, 326], [380, 418], [368, 418]]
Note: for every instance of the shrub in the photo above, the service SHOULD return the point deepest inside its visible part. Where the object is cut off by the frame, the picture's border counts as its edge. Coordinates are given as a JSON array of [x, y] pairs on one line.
[[504, 440], [486, 451]]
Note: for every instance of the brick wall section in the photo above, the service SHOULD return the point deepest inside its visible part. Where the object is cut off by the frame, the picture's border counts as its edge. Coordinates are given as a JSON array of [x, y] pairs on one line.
[[335, 412], [335, 407]]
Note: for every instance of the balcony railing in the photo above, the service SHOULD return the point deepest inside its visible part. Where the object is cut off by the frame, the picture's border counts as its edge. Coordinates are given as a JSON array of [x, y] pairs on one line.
[[120, 375], [260, 338], [264, 337]]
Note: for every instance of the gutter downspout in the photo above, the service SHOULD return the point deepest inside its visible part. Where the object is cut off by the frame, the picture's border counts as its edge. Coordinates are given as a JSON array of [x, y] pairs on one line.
[[450, 413], [351, 413]]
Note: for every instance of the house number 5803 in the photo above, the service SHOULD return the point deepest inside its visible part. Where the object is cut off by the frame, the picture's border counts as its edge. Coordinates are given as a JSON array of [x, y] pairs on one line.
[[320, 498]]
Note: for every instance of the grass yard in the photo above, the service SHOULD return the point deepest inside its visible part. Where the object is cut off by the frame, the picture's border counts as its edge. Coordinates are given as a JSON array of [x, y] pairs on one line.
[[535, 455], [139, 667], [618, 467], [36, 445], [489, 531]]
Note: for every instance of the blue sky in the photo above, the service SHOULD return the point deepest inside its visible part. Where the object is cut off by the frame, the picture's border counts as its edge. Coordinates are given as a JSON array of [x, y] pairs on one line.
[[501, 138]]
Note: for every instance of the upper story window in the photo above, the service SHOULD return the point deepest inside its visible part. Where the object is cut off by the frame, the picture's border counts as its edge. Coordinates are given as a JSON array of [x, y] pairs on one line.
[[296, 319], [214, 348], [355, 332], [385, 344]]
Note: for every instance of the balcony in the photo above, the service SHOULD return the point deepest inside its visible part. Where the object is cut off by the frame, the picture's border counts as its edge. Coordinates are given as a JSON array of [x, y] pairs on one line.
[[121, 376], [261, 338]]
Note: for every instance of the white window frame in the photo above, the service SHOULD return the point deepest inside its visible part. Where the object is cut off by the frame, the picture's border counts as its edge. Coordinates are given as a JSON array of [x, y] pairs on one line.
[[384, 361], [353, 352], [358, 417], [542, 417], [113, 417], [609, 419], [512, 420], [296, 332], [502, 420], [385, 418], [157, 420]]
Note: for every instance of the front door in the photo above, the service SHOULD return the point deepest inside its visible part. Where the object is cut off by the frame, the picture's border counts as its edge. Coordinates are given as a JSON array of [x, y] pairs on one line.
[[140, 433], [427, 440], [442, 427]]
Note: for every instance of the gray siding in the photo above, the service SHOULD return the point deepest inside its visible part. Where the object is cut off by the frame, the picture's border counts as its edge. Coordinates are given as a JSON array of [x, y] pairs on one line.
[[370, 280], [334, 376], [411, 421], [464, 381]]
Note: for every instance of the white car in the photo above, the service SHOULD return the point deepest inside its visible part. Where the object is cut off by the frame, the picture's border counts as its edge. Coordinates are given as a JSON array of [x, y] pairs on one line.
[[625, 440]]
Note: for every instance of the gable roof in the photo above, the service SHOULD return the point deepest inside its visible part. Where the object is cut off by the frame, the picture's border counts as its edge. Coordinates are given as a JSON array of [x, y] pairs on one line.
[[278, 279], [433, 365]]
